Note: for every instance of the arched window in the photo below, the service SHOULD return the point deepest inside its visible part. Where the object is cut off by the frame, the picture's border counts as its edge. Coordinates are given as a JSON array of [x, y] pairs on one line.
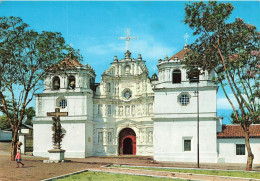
[[176, 76], [71, 82], [193, 76], [56, 83]]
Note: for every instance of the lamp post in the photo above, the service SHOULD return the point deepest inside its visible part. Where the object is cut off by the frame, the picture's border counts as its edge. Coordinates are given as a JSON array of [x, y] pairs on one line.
[[198, 127], [197, 79]]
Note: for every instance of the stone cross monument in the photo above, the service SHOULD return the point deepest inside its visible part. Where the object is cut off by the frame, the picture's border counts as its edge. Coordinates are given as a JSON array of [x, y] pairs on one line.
[[56, 154]]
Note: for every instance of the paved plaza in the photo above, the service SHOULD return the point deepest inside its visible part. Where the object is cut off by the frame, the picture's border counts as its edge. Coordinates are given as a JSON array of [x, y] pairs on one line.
[[35, 169]]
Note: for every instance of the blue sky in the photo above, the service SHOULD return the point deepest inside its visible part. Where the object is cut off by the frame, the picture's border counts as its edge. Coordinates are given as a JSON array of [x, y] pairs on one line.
[[94, 28]]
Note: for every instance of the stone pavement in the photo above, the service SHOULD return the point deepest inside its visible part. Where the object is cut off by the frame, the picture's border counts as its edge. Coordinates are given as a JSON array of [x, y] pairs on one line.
[[35, 169]]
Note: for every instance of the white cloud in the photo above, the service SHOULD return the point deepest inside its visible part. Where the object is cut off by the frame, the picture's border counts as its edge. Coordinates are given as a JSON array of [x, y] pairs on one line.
[[222, 102], [148, 47], [152, 49]]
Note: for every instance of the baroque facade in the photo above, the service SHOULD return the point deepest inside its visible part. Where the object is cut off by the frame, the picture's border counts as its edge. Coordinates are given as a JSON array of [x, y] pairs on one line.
[[130, 113]]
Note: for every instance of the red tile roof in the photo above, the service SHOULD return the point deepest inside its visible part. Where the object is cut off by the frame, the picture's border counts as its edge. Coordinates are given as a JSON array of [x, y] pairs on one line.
[[236, 131], [67, 62], [180, 54]]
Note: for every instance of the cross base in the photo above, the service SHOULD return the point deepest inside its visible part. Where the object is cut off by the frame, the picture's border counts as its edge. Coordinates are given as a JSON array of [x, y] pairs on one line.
[[56, 156]]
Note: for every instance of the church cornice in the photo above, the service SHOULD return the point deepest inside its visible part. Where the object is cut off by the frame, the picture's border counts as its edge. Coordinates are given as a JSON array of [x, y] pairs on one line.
[[188, 88], [64, 93], [124, 77]]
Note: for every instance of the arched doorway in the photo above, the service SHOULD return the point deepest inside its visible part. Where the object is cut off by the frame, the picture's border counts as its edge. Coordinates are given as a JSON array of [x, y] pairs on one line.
[[127, 142]]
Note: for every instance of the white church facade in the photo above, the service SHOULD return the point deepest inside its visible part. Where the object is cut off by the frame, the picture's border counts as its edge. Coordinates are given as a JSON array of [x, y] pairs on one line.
[[130, 113]]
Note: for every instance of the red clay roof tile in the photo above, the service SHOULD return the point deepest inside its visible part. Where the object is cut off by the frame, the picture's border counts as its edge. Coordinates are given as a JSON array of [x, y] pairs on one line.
[[236, 131], [70, 63], [180, 54]]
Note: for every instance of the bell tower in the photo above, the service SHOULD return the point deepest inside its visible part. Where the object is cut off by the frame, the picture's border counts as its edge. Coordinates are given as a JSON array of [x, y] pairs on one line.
[[185, 112], [69, 89]]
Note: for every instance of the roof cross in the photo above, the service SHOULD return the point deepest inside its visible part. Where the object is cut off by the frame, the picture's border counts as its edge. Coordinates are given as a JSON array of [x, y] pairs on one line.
[[127, 38], [186, 36]]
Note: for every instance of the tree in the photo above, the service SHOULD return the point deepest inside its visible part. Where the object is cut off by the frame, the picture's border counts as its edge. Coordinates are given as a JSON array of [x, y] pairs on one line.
[[232, 51], [4, 123], [30, 113], [25, 58]]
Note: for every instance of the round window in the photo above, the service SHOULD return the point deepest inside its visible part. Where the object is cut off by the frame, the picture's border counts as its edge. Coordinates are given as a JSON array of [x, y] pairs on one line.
[[127, 94], [184, 99], [63, 103]]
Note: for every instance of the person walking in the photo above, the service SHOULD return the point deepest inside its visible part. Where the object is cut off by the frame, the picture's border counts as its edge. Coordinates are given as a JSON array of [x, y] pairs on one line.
[[18, 157]]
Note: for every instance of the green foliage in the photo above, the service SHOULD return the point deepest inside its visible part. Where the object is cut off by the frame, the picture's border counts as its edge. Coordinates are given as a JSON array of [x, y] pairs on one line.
[[229, 49], [26, 57], [4, 123], [30, 113]]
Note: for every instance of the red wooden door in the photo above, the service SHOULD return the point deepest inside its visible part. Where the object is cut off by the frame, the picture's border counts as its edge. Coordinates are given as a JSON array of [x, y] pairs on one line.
[[126, 137]]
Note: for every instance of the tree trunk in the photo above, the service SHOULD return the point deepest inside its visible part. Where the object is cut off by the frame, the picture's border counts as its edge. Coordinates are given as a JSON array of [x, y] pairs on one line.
[[13, 146], [250, 156]]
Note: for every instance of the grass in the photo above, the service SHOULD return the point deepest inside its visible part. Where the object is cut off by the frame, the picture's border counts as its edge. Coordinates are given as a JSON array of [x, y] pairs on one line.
[[98, 176], [200, 171]]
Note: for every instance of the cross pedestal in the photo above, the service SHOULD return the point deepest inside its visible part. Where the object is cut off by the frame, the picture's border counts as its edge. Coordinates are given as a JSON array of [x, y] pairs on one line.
[[56, 156]]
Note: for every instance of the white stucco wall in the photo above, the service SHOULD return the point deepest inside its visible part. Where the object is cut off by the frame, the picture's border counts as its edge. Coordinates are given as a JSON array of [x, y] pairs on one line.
[[73, 141], [166, 103], [42, 139], [227, 150], [169, 140], [88, 139]]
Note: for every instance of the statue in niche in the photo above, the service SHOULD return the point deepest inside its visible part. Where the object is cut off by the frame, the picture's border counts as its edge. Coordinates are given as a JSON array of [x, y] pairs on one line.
[[150, 137], [133, 110], [142, 138], [150, 108], [127, 110], [121, 110], [144, 109], [138, 87], [139, 110]]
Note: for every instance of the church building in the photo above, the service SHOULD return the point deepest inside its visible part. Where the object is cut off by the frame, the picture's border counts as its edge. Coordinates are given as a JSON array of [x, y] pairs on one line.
[[130, 113]]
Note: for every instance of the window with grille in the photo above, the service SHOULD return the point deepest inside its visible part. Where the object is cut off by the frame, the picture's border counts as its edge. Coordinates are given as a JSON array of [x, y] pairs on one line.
[[184, 99], [63, 103], [187, 145], [240, 149]]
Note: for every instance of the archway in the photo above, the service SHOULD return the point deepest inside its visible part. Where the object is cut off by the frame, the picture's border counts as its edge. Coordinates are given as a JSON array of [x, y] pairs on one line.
[[127, 142]]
